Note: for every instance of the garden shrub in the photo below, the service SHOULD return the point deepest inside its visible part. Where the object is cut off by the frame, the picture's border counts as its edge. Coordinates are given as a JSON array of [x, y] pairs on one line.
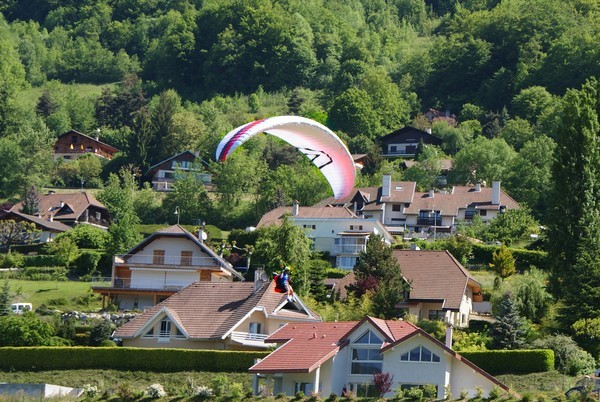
[[482, 254], [512, 361], [569, 357], [86, 263], [125, 358]]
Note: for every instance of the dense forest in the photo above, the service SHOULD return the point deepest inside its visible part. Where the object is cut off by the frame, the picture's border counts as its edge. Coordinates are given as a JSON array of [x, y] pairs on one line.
[[514, 78]]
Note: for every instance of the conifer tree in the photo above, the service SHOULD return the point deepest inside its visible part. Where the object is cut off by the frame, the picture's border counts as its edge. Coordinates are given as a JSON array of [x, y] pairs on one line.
[[574, 229], [509, 331]]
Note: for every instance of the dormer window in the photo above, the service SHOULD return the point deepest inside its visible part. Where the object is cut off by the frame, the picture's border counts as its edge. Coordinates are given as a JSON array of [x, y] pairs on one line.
[[420, 354]]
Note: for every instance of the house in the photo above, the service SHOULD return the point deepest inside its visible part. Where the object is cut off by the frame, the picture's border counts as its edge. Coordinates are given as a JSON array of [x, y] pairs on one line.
[[69, 209], [404, 142], [402, 209], [73, 144], [216, 315], [327, 357], [437, 115], [440, 287], [48, 229], [159, 266], [163, 174], [338, 231]]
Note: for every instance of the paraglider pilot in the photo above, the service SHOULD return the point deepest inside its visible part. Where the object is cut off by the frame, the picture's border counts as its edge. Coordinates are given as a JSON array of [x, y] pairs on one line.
[[282, 283]]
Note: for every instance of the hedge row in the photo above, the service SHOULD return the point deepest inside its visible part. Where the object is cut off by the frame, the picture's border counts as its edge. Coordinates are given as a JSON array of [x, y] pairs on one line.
[[482, 254], [512, 361], [122, 358]]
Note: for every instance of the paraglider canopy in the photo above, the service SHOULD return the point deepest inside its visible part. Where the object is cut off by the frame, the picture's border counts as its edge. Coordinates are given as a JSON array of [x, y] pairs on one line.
[[325, 149]]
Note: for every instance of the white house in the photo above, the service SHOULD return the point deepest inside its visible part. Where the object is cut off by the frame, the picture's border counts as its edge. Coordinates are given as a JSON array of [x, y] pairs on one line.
[[402, 209], [160, 265], [338, 231], [328, 357]]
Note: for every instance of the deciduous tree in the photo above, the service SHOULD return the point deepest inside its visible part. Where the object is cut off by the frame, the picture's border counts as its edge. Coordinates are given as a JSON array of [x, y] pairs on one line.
[[12, 232]]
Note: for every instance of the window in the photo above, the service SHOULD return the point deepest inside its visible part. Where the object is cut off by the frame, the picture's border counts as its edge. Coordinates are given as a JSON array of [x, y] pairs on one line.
[[367, 359], [98, 216], [158, 257], [149, 334], [356, 227], [313, 227], [305, 387], [178, 333], [186, 258], [436, 314], [346, 262], [420, 354], [165, 330], [73, 139], [393, 149], [396, 207], [255, 328], [364, 390], [482, 212]]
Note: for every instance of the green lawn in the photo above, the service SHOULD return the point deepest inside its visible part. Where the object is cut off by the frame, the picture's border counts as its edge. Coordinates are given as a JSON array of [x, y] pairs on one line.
[[28, 98], [61, 295]]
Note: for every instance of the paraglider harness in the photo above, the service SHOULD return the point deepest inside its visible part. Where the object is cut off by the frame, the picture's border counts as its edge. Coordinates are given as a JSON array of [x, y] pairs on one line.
[[281, 281]]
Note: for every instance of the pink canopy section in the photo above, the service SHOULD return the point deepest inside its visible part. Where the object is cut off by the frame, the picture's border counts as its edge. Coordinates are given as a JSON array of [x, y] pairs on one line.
[[321, 145]]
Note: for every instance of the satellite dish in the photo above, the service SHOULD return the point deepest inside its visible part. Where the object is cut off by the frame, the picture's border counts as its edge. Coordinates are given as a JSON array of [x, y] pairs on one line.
[[264, 277], [204, 236]]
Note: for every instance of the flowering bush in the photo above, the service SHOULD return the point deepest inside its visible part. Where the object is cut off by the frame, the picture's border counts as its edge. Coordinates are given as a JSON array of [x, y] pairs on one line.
[[90, 390], [202, 390], [156, 391]]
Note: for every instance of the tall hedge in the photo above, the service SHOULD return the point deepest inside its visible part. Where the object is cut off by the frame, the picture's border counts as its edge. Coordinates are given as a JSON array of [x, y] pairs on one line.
[[121, 358], [482, 254], [512, 361]]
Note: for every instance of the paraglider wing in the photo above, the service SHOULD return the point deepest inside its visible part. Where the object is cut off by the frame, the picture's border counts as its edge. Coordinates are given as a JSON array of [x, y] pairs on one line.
[[325, 149]]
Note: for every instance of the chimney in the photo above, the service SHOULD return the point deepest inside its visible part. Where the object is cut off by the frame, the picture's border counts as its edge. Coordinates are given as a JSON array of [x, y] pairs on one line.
[[295, 207], [449, 336], [259, 275], [431, 193], [386, 185], [51, 218], [496, 192], [478, 187], [62, 204]]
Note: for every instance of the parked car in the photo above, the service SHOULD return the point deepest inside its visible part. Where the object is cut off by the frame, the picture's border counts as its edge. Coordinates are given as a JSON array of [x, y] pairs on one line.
[[20, 308], [587, 385]]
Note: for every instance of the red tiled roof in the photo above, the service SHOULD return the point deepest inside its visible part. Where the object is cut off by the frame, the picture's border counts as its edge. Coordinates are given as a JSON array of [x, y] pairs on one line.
[[275, 216], [307, 345], [50, 204], [435, 275], [209, 310]]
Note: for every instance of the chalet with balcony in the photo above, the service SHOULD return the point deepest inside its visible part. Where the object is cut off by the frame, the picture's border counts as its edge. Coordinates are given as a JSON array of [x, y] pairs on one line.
[[69, 209], [440, 287], [160, 266], [404, 142], [338, 231], [74, 144], [403, 210], [216, 315], [164, 174]]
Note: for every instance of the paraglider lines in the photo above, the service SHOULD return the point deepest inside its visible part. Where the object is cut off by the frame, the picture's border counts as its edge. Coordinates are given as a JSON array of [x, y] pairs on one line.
[[315, 155]]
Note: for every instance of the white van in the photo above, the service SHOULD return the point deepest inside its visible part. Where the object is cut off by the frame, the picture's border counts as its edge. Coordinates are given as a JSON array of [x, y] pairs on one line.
[[20, 308]]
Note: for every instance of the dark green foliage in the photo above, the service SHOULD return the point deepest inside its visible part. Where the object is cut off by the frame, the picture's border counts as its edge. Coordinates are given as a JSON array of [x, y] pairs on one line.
[[482, 253], [160, 360], [569, 357], [5, 299], [378, 271], [509, 330], [575, 227], [101, 331], [25, 330], [41, 260], [512, 361], [86, 236], [87, 263], [316, 272]]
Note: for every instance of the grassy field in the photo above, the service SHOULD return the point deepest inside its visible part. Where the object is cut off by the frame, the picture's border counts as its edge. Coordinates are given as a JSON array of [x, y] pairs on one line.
[[61, 295], [113, 384], [28, 98]]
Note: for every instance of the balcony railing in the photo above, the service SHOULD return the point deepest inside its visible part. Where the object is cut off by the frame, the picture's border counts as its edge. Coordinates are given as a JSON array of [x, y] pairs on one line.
[[104, 283], [348, 248], [247, 338], [150, 259]]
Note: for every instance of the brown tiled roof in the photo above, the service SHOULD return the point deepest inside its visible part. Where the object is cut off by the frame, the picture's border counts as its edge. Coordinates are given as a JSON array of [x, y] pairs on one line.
[[435, 275], [275, 216], [180, 231], [461, 197], [400, 191], [74, 205], [53, 226], [209, 310]]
